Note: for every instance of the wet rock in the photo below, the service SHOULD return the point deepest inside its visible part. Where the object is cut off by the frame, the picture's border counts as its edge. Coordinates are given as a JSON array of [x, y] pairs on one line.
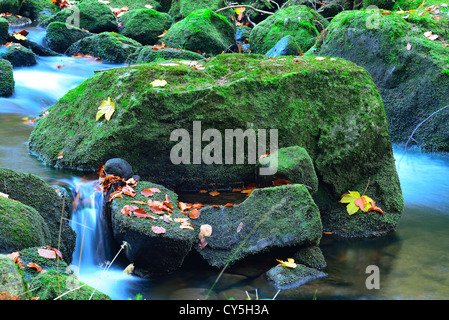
[[6, 78], [11, 281], [33, 8], [147, 54], [119, 167], [293, 164], [108, 46], [32, 191], [287, 278], [4, 27], [152, 254], [60, 36], [285, 47], [11, 6], [180, 9], [145, 25], [272, 218], [311, 256], [18, 55]]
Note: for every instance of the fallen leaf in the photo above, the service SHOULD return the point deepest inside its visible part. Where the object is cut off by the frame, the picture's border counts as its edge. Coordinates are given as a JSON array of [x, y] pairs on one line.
[[194, 214], [14, 256], [129, 269], [239, 227], [409, 46], [19, 37], [203, 243], [356, 202], [106, 108], [206, 230], [129, 191], [146, 193], [214, 193], [158, 83], [35, 266], [158, 230], [320, 58], [48, 254], [290, 263]]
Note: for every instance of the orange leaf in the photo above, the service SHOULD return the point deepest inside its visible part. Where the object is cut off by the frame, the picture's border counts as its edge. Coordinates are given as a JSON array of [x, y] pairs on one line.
[[214, 193], [377, 209], [129, 191], [280, 182], [228, 205], [385, 12], [146, 192], [14, 256], [182, 206], [35, 266], [194, 214], [360, 202], [158, 230], [49, 254]]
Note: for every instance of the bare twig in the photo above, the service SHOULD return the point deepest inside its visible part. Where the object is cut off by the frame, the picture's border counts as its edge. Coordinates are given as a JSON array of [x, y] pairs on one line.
[[244, 6]]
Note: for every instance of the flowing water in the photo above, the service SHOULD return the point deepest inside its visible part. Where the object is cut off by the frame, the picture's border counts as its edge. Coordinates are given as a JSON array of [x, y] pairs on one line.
[[413, 262]]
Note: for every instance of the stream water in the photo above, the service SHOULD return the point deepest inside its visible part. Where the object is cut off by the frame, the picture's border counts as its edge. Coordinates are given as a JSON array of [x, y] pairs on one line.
[[413, 262]]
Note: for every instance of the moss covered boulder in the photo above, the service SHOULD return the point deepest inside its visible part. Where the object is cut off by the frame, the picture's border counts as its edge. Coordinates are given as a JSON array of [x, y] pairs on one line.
[[140, 4], [33, 8], [33, 192], [151, 252], [31, 254], [148, 54], [11, 6], [11, 280], [60, 36], [94, 16], [301, 23], [287, 278], [21, 226], [18, 55], [108, 46], [293, 164], [270, 218], [202, 30], [51, 285], [145, 25], [6, 78], [330, 107], [410, 70], [4, 28]]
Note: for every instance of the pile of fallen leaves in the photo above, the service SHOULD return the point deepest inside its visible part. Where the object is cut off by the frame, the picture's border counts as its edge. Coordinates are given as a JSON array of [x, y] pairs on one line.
[[48, 253]]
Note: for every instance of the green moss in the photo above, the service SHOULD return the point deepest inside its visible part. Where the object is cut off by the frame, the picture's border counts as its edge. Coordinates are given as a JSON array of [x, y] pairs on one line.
[[6, 79], [182, 8]]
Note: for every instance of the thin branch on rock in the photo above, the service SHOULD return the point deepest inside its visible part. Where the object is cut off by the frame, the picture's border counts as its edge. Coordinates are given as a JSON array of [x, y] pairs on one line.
[[244, 6]]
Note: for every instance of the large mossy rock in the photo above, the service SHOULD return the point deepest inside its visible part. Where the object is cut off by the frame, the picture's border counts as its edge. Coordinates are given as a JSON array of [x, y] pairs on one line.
[[140, 4], [91, 15], [270, 218], [298, 22], [6, 78], [33, 192], [331, 108], [202, 30], [145, 25], [60, 36], [152, 254], [413, 83], [33, 8], [108, 46]]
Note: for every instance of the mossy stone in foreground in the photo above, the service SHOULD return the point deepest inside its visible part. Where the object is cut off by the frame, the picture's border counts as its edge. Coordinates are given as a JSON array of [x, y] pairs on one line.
[[6, 78], [145, 25], [202, 30], [50, 285], [20, 226], [330, 107], [11, 280], [18, 55], [270, 218]]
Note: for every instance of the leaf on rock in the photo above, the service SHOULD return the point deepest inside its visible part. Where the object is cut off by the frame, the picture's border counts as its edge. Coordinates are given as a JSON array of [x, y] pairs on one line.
[[214, 193], [290, 263], [35, 266], [129, 269], [106, 108], [129, 191], [356, 202], [194, 214], [158, 83], [158, 230], [48, 254], [206, 230], [203, 243]]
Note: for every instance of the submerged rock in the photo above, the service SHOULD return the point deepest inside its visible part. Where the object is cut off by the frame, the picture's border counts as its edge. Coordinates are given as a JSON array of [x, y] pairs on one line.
[[410, 70], [330, 107], [151, 253], [270, 218], [6, 78], [287, 278]]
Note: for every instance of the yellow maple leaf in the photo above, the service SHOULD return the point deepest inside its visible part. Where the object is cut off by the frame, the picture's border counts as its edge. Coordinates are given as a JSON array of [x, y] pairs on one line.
[[290, 263], [106, 108], [18, 36], [158, 83]]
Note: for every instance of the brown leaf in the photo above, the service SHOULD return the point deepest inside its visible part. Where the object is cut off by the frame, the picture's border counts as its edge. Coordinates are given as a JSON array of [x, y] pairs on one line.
[[194, 214], [129, 191], [48, 254], [206, 230], [203, 243], [214, 193], [35, 266], [158, 230]]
